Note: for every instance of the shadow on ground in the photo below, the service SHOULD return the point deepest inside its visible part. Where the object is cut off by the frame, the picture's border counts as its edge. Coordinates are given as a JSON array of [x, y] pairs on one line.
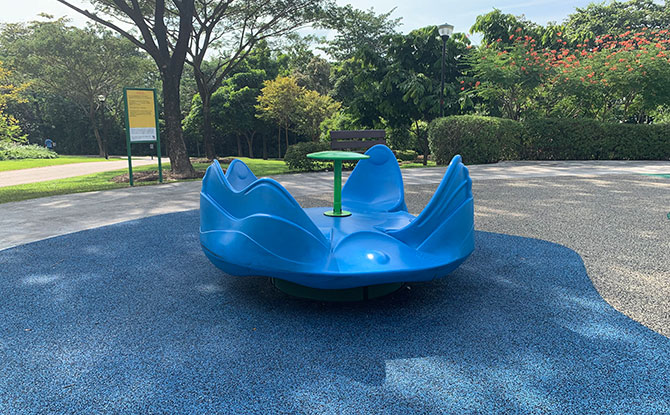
[[132, 318]]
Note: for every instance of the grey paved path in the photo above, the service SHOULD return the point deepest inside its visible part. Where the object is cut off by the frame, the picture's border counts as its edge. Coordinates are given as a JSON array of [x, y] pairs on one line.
[[42, 174]]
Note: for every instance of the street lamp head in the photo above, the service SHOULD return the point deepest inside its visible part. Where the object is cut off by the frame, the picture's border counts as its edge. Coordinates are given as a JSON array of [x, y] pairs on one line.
[[445, 30], [101, 98]]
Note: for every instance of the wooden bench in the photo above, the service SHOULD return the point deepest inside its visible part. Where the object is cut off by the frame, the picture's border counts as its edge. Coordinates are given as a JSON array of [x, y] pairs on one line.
[[356, 139]]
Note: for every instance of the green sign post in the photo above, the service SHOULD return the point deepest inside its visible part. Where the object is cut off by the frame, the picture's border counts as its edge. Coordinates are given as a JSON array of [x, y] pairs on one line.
[[142, 123]]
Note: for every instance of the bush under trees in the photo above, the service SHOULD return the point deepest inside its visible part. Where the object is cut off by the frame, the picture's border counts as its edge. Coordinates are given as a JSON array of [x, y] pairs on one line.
[[296, 156], [13, 151]]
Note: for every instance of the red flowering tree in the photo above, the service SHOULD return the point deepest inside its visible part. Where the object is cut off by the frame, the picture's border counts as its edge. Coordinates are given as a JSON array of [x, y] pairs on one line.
[[608, 78], [507, 76], [616, 77]]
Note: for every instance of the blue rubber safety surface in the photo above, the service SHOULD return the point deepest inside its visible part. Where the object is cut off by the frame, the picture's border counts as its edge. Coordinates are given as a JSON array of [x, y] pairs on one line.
[[132, 318]]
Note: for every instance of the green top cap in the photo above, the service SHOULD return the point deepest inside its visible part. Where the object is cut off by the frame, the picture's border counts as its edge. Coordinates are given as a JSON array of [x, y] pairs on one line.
[[337, 155]]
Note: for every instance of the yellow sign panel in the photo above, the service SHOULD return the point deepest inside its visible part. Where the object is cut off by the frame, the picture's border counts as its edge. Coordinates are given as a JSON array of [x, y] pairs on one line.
[[141, 115]]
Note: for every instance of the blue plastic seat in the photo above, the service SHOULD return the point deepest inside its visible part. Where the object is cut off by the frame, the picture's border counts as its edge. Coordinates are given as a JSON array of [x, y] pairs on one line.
[[376, 184], [239, 175], [260, 229]]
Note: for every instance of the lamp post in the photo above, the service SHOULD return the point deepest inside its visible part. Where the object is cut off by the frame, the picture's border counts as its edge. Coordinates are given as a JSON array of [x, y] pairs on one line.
[[445, 31], [101, 100]]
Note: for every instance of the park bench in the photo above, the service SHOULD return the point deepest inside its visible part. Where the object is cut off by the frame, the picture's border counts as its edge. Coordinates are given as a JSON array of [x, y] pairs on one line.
[[356, 139]]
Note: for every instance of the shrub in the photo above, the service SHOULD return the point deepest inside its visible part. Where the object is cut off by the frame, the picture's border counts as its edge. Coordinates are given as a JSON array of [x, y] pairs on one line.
[[406, 155], [477, 139], [13, 151], [488, 139], [586, 139], [296, 156]]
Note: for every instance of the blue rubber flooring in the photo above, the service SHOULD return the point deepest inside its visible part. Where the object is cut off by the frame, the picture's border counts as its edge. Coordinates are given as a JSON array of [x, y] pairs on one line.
[[132, 318]]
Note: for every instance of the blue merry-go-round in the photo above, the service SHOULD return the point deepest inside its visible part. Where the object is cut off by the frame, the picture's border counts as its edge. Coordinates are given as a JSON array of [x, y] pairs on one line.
[[254, 227]]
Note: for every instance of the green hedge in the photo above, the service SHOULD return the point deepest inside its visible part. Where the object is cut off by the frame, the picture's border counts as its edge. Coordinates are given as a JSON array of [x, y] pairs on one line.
[[477, 139], [296, 156], [406, 155], [12, 151], [488, 140], [580, 139]]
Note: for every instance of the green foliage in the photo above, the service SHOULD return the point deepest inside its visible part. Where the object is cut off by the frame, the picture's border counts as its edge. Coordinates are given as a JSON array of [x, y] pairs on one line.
[[296, 156], [497, 27], [358, 31], [399, 139], [586, 139], [477, 139], [13, 151], [488, 139], [600, 18], [10, 130], [406, 155], [314, 109]]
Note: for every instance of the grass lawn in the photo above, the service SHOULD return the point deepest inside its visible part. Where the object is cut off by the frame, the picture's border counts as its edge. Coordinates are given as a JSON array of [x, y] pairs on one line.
[[103, 181], [6, 165]]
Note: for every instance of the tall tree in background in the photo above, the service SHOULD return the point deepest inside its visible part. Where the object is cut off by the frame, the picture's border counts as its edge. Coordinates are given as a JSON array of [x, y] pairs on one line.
[[314, 108], [279, 102], [165, 29], [358, 31], [234, 109], [617, 17], [75, 64], [412, 81], [9, 126], [231, 29]]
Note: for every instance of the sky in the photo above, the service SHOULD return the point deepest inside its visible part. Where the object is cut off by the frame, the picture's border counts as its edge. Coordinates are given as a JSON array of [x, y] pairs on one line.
[[414, 14]]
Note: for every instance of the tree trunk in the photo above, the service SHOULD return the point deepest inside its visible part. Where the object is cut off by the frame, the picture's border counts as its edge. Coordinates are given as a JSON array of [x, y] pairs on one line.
[[179, 161], [239, 145], [250, 143], [96, 131], [423, 142], [279, 143], [286, 135], [207, 138], [265, 147]]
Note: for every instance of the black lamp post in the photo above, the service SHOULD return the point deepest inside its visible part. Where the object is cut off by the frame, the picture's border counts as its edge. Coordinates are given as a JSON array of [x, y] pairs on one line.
[[445, 31], [101, 100]]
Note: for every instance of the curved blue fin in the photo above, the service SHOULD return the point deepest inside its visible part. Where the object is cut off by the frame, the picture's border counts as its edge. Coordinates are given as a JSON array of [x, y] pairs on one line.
[[239, 175], [376, 184], [262, 214], [446, 224]]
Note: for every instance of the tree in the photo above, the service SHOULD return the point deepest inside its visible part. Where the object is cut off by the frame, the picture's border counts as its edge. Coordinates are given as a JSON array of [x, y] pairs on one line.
[[232, 28], [609, 78], [314, 76], [51, 52], [358, 31], [508, 77], [165, 30], [598, 19], [279, 103], [314, 109], [10, 130], [499, 28], [234, 109], [414, 75]]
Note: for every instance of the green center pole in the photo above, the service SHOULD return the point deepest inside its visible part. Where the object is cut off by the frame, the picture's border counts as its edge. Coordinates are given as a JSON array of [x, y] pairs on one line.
[[337, 190]]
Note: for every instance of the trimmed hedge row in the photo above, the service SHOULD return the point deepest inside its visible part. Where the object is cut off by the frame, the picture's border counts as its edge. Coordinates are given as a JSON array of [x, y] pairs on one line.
[[12, 151], [489, 139]]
